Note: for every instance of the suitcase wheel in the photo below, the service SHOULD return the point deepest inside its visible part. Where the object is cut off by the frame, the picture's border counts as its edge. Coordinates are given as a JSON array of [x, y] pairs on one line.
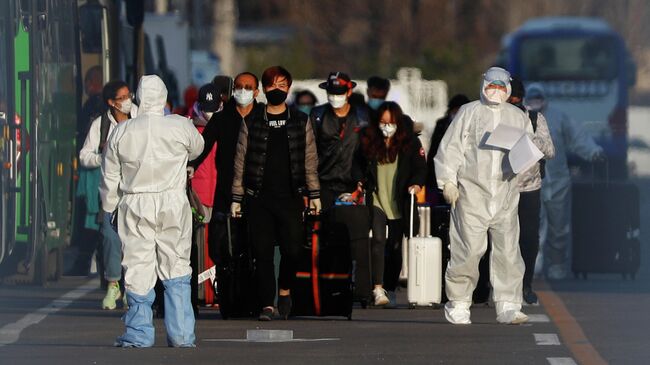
[[412, 306]]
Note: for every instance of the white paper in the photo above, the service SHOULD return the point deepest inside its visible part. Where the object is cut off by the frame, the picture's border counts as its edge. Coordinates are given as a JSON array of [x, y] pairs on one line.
[[505, 136], [524, 154], [210, 273]]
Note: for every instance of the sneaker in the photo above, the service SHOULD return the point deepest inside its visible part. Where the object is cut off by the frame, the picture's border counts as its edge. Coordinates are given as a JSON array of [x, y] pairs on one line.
[[530, 298], [284, 306], [380, 296], [392, 300], [266, 315], [458, 312], [112, 296]]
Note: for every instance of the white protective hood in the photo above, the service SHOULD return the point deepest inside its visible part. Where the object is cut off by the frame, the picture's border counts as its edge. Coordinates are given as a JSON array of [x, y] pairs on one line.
[[151, 95]]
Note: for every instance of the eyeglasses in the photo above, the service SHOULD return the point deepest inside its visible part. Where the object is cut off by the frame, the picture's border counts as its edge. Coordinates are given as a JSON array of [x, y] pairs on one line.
[[124, 97]]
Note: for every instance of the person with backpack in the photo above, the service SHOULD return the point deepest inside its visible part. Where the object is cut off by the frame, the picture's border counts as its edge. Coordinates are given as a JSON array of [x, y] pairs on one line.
[[337, 125], [530, 183], [117, 97]]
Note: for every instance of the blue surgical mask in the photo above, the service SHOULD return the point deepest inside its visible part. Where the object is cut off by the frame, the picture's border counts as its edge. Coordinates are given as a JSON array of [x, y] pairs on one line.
[[305, 108], [375, 103]]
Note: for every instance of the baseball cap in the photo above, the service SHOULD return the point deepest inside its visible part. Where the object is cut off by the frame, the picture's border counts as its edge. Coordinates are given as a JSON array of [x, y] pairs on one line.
[[337, 83], [209, 99]]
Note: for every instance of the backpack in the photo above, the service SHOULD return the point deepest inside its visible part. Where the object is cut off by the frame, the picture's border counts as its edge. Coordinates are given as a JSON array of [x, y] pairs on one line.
[[104, 128], [542, 163]]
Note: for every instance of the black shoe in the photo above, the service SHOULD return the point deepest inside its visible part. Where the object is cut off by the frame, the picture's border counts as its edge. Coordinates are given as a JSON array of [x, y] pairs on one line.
[[284, 306], [266, 315], [530, 298]]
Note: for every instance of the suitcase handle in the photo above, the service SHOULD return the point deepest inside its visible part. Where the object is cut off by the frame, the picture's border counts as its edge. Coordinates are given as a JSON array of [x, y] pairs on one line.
[[412, 193]]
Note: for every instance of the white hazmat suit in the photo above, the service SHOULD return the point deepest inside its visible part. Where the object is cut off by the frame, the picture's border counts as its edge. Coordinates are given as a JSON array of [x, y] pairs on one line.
[[144, 177], [555, 220], [487, 202]]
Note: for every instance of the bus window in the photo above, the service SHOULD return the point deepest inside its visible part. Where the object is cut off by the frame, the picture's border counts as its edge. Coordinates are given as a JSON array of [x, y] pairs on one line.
[[90, 27], [573, 58]]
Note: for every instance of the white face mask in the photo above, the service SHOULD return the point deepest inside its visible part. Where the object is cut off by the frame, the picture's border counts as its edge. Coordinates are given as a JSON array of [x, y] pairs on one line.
[[125, 106], [535, 105], [388, 129], [496, 96], [337, 101], [243, 97]]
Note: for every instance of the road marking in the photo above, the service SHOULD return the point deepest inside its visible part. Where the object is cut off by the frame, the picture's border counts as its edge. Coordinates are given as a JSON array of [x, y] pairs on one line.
[[10, 333], [538, 318], [269, 341], [572, 334], [561, 361], [546, 339]]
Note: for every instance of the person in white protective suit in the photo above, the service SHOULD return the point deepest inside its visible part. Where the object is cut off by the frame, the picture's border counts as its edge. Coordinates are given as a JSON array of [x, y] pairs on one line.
[[478, 182], [144, 177], [555, 220]]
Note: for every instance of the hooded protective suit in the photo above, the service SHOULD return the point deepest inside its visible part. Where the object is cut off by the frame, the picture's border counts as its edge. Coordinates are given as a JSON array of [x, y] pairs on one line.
[[555, 222], [144, 177], [488, 198]]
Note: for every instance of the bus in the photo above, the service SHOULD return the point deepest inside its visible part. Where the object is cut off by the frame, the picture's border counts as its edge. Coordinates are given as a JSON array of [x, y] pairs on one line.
[[46, 47], [586, 71]]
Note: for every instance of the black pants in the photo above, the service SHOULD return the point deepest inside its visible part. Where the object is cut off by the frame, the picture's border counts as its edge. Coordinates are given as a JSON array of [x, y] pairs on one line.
[[275, 220], [391, 247], [529, 206]]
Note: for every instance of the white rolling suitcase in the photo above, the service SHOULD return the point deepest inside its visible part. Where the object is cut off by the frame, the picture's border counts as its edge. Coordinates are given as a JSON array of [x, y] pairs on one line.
[[425, 231], [424, 286]]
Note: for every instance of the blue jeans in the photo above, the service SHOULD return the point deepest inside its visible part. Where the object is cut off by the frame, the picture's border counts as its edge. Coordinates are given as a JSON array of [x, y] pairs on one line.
[[112, 249]]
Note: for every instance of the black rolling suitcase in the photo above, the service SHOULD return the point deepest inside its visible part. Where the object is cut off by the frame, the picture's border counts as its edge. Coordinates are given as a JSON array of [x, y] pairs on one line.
[[235, 285], [356, 219], [323, 282], [606, 222]]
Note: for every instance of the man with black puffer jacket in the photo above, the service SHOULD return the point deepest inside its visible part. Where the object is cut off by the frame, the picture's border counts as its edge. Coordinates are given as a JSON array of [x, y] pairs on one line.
[[275, 167]]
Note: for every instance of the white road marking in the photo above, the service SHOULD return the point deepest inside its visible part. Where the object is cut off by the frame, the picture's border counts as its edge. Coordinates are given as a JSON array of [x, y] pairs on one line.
[[274, 341], [538, 318], [561, 361], [546, 339], [10, 333]]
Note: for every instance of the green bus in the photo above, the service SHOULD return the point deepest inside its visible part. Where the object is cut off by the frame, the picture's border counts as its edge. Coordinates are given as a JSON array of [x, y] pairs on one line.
[[46, 47]]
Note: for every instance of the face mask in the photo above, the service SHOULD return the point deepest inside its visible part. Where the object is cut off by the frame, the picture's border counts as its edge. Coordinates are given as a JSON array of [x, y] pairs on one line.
[[388, 129], [535, 105], [243, 97], [207, 115], [375, 103], [125, 106], [496, 96], [337, 101], [305, 109], [276, 96]]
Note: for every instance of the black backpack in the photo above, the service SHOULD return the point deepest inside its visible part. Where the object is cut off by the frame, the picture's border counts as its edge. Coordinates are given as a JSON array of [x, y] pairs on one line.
[[542, 163], [105, 126]]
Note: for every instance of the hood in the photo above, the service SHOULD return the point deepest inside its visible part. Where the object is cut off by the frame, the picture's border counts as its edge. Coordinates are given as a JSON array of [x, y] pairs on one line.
[[535, 91], [151, 95], [492, 75]]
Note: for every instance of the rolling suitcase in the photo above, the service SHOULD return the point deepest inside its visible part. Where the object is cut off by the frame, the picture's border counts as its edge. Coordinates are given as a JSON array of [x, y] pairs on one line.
[[606, 228], [323, 282], [425, 268], [235, 287]]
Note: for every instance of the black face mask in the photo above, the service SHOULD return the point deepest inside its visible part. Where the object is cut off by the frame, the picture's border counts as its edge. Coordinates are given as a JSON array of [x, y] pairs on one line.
[[276, 96]]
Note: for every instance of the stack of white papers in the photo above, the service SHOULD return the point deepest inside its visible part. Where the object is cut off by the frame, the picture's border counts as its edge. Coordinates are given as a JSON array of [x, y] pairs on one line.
[[523, 152]]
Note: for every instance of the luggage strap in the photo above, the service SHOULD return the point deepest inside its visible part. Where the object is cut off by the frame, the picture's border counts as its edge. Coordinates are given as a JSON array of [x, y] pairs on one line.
[[314, 268]]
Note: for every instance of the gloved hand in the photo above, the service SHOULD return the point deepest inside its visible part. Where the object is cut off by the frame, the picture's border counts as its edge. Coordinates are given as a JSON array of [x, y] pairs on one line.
[[315, 206], [190, 172], [235, 209], [450, 193], [599, 156]]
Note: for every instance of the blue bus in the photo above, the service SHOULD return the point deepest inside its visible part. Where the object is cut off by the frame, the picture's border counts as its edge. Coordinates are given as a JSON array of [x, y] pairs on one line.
[[586, 70]]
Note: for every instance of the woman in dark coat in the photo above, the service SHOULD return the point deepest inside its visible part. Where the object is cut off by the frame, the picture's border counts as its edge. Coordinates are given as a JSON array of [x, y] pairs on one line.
[[393, 163]]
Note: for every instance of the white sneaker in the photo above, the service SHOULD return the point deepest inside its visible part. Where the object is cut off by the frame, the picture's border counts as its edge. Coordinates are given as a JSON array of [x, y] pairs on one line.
[[458, 312], [380, 296], [512, 317]]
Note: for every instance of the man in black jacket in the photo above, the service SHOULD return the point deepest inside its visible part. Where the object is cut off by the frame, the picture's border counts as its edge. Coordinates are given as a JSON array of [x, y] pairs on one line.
[[336, 126], [275, 167], [223, 129]]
